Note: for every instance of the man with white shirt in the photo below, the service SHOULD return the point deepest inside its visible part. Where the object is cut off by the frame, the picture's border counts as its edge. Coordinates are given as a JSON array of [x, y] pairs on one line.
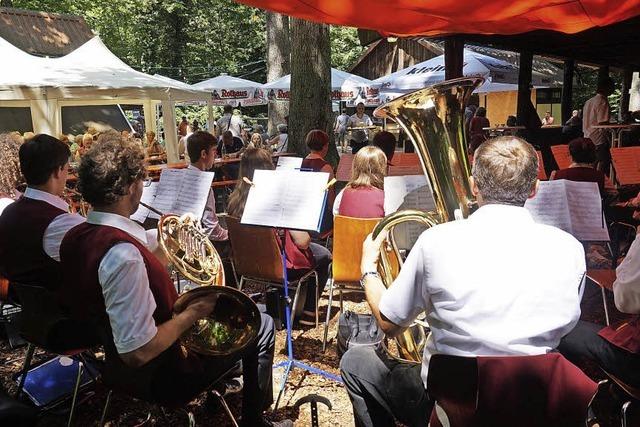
[[496, 283], [616, 349], [359, 136], [33, 227], [125, 293], [229, 122], [202, 152], [596, 111]]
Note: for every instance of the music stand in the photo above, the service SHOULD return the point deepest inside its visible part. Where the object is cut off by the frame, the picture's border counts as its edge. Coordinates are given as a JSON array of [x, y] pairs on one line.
[[273, 184]]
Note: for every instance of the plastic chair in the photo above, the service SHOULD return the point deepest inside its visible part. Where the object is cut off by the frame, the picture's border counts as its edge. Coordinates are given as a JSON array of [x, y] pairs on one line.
[[348, 235], [44, 325], [256, 257], [501, 391]]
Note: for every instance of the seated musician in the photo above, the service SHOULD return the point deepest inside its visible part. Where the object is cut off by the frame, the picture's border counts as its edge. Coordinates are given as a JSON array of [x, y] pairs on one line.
[[318, 142], [302, 254], [117, 286], [10, 175], [202, 152], [582, 168], [363, 197], [33, 227], [496, 283], [387, 143], [616, 349]]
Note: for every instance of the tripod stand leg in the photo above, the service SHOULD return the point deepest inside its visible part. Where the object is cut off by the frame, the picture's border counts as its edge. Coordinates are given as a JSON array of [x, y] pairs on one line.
[[283, 384]]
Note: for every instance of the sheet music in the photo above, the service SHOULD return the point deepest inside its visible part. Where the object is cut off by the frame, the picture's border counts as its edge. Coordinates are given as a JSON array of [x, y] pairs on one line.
[[574, 207], [407, 192], [286, 162], [182, 191], [286, 198], [148, 195], [194, 192]]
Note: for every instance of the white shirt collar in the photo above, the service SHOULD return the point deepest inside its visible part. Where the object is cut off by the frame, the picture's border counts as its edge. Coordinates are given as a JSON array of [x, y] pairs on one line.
[[43, 196], [119, 222], [498, 212]]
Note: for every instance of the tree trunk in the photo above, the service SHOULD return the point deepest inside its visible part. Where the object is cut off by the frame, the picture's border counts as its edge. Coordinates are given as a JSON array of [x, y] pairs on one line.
[[310, 98], [278, 64]]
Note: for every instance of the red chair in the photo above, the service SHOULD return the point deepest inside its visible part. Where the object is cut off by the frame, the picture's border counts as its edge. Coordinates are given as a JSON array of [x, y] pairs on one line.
[[506, 391]]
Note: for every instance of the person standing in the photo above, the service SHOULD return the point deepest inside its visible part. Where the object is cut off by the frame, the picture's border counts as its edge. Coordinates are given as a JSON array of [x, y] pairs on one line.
[[340, 129], [596, 112], [229, 122], [359, 137], [183, 127]]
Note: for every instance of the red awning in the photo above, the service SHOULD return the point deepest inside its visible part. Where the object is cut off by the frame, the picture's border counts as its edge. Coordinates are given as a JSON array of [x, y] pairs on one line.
[[442, 17]]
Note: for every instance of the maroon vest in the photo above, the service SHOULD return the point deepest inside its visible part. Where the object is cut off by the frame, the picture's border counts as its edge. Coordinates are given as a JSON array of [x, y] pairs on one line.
[[81, 252], [315, 164], [582, 174], [22, 258], [362, 202], [625, 336]]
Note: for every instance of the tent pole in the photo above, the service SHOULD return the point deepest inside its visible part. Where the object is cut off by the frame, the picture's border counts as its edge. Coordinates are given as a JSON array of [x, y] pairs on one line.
[[524, 86], [567, 90], [170, 132], [150, 119]]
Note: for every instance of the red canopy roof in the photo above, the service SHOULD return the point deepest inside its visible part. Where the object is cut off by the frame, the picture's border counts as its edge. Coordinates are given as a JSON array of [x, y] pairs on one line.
[[441, 17]]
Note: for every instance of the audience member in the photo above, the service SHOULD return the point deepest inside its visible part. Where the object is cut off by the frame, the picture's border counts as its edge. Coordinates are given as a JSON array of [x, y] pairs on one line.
[[318, 143], [183, 127], [583, 159], [512, 121], [363, 197], [548, 119], [229, 122], [476, 126], [257, 141], [280, 142], [302, 254], [596, 112], [340, 130]]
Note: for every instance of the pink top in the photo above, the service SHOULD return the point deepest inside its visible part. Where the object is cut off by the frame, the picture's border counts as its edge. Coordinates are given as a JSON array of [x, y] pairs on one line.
[[362, 202]]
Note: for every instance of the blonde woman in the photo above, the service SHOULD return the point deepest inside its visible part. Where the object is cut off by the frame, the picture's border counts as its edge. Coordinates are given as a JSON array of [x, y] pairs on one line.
[[363, 197], [10, 175], [256, 141]]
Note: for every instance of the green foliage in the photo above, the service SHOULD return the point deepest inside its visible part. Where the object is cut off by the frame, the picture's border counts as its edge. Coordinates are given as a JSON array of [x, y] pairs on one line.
[[345, 47], [586, 83]]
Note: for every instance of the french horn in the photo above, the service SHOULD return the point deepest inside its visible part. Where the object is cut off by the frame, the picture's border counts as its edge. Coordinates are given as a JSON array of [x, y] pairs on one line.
[[433, 119], [235, 321]]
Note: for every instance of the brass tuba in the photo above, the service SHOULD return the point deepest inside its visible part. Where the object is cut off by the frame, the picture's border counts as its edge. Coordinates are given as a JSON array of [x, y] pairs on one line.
[[433, 118], [235, 321]]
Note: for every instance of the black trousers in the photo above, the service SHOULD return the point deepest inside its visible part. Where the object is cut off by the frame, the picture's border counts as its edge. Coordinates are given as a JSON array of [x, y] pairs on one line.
[[383, 390], [357, 146], [584, 343]]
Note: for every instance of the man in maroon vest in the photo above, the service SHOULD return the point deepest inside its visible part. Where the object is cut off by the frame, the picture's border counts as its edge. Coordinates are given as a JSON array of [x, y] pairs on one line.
[[126, 294], [616, 349], [33, 227]]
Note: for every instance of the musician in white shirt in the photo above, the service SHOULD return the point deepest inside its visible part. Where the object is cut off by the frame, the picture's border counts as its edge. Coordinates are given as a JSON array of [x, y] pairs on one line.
[[496, 283], [359, 137]]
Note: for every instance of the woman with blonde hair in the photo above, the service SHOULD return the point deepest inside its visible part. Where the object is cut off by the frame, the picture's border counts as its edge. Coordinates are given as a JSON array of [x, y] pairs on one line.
[[302, 254], [10, 175], [256, 141], [363, 197]]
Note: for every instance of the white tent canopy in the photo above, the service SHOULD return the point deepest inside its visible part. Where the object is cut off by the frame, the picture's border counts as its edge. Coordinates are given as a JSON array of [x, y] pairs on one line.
[[344, 87], [90, 75], [226, 89], [500, 75]]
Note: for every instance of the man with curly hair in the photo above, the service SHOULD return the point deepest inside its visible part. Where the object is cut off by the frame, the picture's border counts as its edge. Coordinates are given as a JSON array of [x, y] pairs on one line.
[[126, 294], [33, 227]]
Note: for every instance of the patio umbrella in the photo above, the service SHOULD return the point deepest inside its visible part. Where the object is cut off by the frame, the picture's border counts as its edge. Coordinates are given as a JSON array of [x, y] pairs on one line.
[[226, 89]]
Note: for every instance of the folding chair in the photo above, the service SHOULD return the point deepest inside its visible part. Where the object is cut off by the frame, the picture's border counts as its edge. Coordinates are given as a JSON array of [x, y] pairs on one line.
[[503, 391], [256, 258], [348, 235], [632, 393], [43, 325]]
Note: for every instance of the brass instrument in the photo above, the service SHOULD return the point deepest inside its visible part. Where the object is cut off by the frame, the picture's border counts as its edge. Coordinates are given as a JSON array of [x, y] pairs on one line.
[[235, 321], [433, 118], [75, 201]]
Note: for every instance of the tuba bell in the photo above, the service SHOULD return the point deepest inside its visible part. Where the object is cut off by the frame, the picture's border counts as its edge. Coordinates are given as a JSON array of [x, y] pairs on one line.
[[235, 321], [433, 118]]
